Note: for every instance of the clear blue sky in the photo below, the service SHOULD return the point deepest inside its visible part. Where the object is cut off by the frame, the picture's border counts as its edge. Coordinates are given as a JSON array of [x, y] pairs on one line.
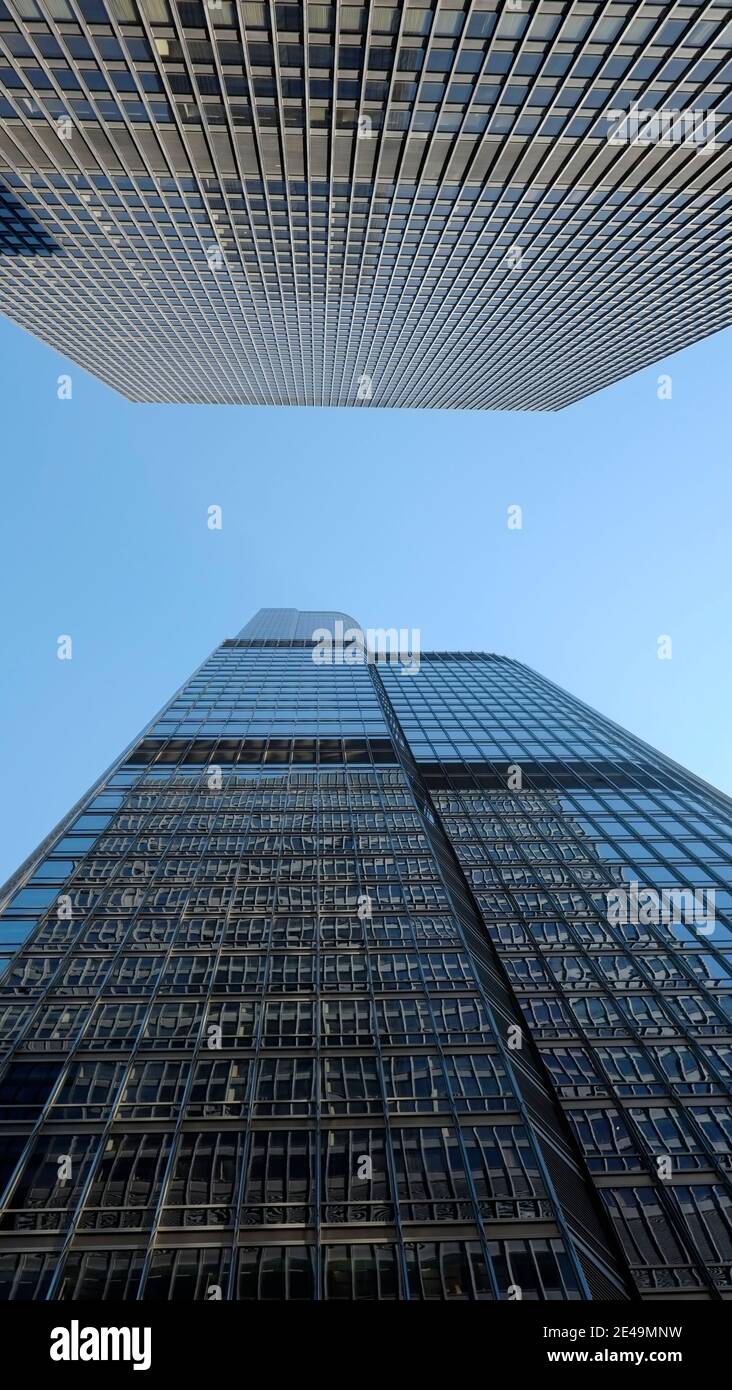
[[396, 517]]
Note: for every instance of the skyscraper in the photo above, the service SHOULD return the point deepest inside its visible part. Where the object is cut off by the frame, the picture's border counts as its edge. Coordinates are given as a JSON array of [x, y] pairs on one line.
[[494, 204], [371, 974]]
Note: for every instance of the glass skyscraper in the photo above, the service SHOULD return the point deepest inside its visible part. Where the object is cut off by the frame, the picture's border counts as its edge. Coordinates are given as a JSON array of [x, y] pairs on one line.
[[364, 978], [500, 204]]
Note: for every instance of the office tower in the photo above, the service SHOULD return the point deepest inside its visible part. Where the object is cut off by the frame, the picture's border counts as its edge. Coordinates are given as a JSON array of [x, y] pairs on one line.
[[491, 204], [325, 991]]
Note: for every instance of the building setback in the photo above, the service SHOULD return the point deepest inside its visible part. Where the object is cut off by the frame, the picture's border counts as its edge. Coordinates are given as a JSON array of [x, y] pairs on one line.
[[458, 205], [319, 994]]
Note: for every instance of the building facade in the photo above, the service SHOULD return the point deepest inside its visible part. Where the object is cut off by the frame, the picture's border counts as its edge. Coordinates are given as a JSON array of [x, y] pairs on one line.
[[356, 979], [500, 204]]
